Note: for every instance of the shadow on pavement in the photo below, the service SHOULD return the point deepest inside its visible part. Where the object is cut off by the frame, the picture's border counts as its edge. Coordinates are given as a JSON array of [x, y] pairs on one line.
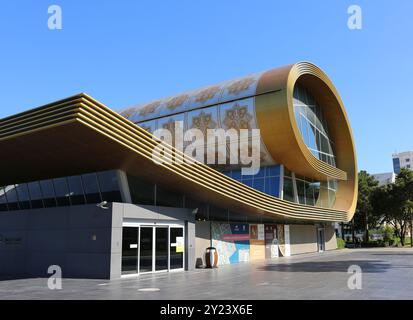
[[369, 266]]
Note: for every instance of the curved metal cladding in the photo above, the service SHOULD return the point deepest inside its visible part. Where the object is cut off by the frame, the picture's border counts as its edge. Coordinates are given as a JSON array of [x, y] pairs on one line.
[[265, 101], [79, 134]]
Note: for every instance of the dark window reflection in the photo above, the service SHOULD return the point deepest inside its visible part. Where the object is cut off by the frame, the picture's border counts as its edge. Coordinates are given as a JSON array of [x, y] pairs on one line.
[[47, 187], [168, 198], [11, 196], [23, 196], [3, 200], [76, 190], [35, 194], [109, 186], [130, 250], [288, 193], [62, 191], [161, 258], [146, 249], [90, 183], [141, 191]]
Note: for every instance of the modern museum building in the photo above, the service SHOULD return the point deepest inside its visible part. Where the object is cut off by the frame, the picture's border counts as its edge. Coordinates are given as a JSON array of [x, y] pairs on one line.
[[82, 187]]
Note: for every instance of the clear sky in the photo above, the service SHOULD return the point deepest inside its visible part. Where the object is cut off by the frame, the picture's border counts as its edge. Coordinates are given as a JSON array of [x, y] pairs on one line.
[[126, 52]]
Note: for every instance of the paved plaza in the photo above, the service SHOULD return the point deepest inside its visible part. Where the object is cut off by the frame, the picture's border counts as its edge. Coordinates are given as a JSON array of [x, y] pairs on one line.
[[387, 273]]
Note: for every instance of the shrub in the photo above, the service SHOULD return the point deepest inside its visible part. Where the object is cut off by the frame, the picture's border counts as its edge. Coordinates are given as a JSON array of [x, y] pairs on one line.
[[340, 243]]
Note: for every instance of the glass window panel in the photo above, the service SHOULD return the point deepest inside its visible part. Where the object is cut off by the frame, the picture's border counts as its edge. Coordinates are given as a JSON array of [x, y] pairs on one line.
[[62, 191], [304, 131], [161, 248], [218, 214], [141, 191], [323, 196], [48, 193], [288, 192], [331, 198], [287, 172], [109, 186], [272, 186], [259, 184], [167, 198], [316, 190], [236, 174], [312, 137], [11, 196], [300, 191], [35, 194], [309, 194], [324, 144], [260, 173], [311, 123], [23, 196], [273, 171], [91, 186], [76, 190], [146, 249], [202, 212], [3, 200], [130, 241], [247, 182], [227, 173], [108, 181]]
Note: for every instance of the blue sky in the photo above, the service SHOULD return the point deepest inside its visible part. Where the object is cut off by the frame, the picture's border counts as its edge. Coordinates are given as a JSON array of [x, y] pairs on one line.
[[126, 52]]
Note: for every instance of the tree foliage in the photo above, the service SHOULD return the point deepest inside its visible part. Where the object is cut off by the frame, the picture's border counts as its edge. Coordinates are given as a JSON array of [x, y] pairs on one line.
[[393, 203], [364, 216]]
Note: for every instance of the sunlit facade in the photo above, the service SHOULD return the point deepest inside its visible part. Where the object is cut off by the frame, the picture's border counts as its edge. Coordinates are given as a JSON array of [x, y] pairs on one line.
[[82, 189]]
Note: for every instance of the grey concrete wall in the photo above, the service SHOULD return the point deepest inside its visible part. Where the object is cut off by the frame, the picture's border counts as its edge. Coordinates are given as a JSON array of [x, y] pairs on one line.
[[330, 235], [202, 240], [303, 239], [77, 238], [85, 241]]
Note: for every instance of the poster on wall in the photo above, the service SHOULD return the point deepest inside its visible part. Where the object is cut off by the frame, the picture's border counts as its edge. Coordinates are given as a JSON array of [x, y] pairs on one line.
[[257, 242], [231, 241], [271, 241]]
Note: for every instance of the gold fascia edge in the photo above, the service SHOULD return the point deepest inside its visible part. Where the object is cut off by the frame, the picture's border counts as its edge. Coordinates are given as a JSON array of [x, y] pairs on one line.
[[102, 119], [281, 135]]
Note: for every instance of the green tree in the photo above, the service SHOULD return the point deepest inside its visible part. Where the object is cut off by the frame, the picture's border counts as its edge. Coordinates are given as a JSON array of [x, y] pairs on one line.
[[393, 203], [364, 216]]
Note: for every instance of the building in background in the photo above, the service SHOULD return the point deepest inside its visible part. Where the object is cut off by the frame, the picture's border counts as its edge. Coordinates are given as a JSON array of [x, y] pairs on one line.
[[402, 160], [81, 190], [385, 178]]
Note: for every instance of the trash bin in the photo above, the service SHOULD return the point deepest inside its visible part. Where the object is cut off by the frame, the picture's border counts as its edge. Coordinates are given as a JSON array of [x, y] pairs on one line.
[[211, 257]]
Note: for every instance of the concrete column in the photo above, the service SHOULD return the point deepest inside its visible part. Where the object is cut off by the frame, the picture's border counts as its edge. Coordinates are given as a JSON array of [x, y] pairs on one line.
[[190, 259]]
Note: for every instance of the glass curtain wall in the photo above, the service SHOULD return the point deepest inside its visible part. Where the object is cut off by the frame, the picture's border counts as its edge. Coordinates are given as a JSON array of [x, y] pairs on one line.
[[91, 188], [313, 126]]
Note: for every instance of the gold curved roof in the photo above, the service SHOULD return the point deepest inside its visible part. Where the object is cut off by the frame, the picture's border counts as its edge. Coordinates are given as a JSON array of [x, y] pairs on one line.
[[80, 134], [272, 95]]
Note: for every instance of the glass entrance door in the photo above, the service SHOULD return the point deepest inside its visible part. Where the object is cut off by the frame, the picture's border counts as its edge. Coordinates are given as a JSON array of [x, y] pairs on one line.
[[146, 249], [130, 250], [176, 248], [161, 248], [152, 248]]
